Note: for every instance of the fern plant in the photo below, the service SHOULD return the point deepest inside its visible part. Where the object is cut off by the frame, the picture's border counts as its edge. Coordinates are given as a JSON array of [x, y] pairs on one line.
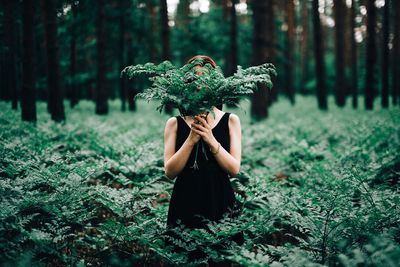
[[193, 94]]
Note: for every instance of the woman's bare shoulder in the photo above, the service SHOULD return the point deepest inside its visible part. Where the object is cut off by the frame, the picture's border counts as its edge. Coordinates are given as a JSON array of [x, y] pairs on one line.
[[171, 123], [234, 119]]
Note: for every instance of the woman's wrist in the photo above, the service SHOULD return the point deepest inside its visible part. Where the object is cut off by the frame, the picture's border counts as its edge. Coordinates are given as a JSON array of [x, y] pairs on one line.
[[214, 148]]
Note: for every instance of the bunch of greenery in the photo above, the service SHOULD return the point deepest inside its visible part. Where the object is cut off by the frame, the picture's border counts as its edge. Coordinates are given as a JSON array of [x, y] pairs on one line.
[[193, 94]]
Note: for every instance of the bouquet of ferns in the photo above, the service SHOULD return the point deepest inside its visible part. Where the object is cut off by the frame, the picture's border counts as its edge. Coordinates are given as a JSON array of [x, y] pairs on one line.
[[193, 94]]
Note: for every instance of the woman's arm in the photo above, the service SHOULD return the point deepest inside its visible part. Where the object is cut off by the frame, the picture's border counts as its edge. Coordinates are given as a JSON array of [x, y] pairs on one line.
[[229, 161], [175, 162]]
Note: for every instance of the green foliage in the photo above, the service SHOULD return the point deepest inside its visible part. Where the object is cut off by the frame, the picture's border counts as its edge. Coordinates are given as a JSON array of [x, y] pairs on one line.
[[316, 189], [192, 93]]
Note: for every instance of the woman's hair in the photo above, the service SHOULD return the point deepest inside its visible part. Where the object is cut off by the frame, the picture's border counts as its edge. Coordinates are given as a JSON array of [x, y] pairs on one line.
[[205, 60]]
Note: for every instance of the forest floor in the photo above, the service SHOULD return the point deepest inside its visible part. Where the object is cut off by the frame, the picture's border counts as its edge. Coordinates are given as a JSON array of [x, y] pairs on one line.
[[316, 189]]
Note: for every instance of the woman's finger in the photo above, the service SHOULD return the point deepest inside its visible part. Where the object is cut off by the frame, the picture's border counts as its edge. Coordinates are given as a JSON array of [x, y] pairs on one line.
[[203, 121], [200, 127], [198, 132]]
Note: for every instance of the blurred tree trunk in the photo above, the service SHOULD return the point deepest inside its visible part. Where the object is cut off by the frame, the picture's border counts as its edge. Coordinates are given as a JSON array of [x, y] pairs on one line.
[[232, 57], [319, 58], [304, 46], [370, 81], [396, 54], [132, 84], [151, 40], [73, 88], [263, 51], [233, 49], [121, 53], [290, 16], [354, 72], [10, 54], [55, 96], [339, 11], [28, 106], [166, 50], [184, 49], [101, 95], [385, 56]]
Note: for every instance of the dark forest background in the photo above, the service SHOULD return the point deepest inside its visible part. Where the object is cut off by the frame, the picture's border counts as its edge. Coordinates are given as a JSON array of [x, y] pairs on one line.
[[55, 50]]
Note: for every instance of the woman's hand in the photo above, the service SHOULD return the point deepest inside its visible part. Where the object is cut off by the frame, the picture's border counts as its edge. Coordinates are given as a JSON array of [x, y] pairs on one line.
[[203, 129], [193, 137]]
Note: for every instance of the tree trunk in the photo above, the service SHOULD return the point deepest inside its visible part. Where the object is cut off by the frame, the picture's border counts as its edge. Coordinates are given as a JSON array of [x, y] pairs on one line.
[[28, 106], [166, 50], [55, 96], [10, 55], [101, 96], [304, 47], [232, 57], [263, 51], [385, 56], [370, 81], [151, 39], [396, 54], [290, 35], [131, 88], [354, 72], [233, 49], [319, 58], [339, 11], [73, 89], [121, 53]]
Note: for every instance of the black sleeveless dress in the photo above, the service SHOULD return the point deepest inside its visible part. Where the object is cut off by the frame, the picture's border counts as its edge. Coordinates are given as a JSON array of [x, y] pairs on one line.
[[205, 192]]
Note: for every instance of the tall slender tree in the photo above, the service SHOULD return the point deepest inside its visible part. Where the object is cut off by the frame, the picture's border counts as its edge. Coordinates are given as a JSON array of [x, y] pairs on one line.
[[232, 55], [370, 78], [304, 46], [339, 11], [354, 72], [151, 40], [28, 106], [396, 54], [319, 57], [385, 56], [263, 51], [101, 94], [10, 53], [121, 52], [55, 95], [233, 46], [290, 35], [73, 88], [165, 37]]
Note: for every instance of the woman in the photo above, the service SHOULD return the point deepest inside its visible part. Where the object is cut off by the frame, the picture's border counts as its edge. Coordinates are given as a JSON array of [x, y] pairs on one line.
[[202, 188]]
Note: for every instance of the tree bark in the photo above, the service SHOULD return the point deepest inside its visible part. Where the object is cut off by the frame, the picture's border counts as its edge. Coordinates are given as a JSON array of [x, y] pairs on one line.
[[55, 96], [166, 50], [121, 53], [354, 72], [304, 47], [396, 54], [101, 96], [290, 35], [385, 56], [10, 55], [131, 88], [151, 38], [339, 11], [28, 106], [319, 58], [263, 51], [73, 88], [370, 81]]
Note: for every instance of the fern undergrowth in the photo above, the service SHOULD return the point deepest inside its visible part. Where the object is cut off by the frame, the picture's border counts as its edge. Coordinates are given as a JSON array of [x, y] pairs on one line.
[[316, 189]]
